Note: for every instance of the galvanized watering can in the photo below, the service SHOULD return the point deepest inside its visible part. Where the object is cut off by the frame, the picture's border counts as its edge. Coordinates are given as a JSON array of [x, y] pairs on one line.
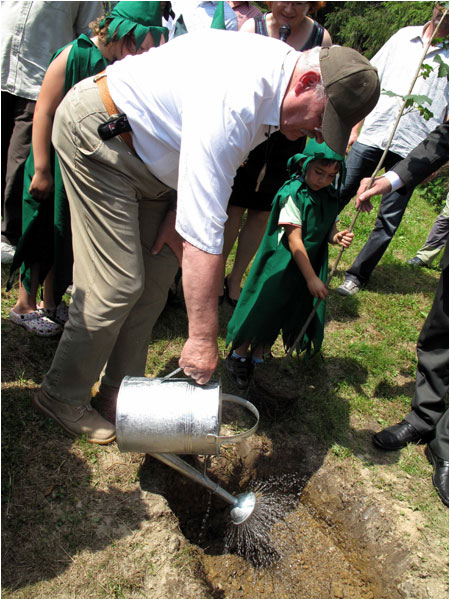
[[173, 415], [165, 417]]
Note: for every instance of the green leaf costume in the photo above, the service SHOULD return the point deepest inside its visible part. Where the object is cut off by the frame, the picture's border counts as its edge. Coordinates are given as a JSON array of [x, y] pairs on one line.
[[46, 235], [275, 296]]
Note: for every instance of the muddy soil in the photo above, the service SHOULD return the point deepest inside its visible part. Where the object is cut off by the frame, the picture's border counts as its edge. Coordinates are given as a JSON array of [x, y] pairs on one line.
[[336, 540]]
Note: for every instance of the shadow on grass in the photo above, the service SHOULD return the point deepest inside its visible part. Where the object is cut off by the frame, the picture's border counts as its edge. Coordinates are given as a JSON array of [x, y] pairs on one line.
[[385, 389], [52, 508], [394, 278], [25, 356]]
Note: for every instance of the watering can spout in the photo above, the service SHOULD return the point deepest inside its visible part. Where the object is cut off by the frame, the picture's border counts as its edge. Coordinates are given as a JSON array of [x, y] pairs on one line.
[[242, 505]]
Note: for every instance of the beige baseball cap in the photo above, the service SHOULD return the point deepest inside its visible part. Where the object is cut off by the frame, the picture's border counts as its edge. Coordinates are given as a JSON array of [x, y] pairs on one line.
[[353, 89]]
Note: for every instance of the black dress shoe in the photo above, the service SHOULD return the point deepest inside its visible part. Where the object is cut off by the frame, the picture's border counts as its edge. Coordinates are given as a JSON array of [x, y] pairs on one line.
[[397, 436], [440, 475]]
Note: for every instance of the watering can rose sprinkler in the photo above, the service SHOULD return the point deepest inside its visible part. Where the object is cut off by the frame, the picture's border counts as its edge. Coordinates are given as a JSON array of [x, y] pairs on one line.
[[167, 416]]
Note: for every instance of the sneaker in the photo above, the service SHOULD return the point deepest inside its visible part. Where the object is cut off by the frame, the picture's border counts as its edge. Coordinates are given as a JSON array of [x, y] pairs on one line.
[[416, 262], [76, 419], [8, 252], [240, 370], [349, 288]]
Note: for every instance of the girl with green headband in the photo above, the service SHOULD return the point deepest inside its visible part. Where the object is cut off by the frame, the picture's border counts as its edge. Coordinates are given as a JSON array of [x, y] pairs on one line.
[[291, 266], [44, 252]]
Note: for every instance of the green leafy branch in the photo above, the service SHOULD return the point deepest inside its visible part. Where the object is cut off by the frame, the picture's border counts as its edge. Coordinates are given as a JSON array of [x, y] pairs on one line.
[[413, 102]]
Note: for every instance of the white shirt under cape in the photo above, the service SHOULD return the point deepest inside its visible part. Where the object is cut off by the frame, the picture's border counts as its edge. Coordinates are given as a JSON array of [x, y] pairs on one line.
[[197, 105], [397, 62]]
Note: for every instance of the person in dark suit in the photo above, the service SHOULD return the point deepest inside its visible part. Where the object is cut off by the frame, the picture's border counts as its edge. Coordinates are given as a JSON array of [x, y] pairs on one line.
[[428, 420]]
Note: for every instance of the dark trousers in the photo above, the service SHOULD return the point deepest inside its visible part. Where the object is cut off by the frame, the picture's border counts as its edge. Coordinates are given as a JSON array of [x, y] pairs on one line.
[[17, 121], [429, 410], [361, 162]]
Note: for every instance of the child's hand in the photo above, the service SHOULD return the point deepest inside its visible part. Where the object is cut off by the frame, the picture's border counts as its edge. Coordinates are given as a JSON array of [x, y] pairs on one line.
[[344, 238], [317, 288], [41, 185]]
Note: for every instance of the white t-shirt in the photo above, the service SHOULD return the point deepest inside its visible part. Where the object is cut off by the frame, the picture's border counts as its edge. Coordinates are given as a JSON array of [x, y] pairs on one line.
[[397, 62], [290, 215], [197, 105]]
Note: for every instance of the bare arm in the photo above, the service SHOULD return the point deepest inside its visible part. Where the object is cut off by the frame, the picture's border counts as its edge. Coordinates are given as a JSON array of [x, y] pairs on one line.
[[50, 96], [354, 134], [296, 246], [326, 42], [201, 276]]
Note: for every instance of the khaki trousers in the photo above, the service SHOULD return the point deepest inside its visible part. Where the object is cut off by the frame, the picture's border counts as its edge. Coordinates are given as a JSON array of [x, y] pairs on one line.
[[120, 288]]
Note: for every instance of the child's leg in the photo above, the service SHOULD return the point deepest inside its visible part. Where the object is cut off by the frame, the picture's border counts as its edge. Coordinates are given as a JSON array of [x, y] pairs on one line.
[[250, 237], [26, 302], [48, 292], [258, 353], [241, 351], [239, 367], [232, 225], [26, 314]]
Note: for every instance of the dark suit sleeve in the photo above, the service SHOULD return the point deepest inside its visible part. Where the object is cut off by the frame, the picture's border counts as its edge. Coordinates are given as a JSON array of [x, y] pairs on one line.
[[426, 158]]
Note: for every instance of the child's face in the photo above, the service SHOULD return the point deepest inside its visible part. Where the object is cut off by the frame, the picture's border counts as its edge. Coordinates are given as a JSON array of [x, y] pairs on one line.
[[319, 176]]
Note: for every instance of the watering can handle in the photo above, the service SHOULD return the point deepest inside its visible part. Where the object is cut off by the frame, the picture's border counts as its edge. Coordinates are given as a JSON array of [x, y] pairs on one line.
[[239, 436]]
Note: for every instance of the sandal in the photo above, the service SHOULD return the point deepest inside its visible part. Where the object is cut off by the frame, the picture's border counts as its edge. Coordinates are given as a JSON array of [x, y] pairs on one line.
[[36, 322]]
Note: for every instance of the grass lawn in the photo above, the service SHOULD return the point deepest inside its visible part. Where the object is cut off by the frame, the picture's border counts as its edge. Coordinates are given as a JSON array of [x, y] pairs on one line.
[[362, 381]]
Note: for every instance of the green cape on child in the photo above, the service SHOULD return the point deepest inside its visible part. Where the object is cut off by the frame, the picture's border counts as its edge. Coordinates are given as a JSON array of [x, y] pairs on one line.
[[275, 296]]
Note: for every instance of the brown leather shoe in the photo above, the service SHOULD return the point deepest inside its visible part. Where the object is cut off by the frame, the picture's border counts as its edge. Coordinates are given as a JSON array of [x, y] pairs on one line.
[[76, 419], [105, 402]]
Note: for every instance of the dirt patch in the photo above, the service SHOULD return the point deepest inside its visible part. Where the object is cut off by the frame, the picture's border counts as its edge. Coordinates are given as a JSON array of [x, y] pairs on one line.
[[79, 518], [341, 536]]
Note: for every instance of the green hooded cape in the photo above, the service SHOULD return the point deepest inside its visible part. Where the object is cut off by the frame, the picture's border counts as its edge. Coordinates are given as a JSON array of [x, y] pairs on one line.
[[275, 296], [139, 17]]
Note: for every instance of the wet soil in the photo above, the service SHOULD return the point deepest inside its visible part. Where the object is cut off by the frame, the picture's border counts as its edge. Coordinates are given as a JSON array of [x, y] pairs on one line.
[[329, 543]]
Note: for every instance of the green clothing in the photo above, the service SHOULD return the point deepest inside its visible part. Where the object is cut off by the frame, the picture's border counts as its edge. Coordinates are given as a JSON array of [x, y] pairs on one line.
[[275, 296], [139, 17], [46, 236], [218, 21]]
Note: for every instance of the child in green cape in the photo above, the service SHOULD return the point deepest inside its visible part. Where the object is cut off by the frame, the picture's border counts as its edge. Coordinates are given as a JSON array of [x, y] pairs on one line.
[[44, 252], [291, 266]]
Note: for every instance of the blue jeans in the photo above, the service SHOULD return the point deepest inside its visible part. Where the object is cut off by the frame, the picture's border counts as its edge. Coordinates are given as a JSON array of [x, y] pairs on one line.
[[361, 162]]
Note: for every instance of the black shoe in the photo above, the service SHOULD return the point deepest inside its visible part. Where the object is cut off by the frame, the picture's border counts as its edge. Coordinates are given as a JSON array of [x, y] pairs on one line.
[[240, 370], [440, 474], [416, 262], [231, 301], [397, 436]]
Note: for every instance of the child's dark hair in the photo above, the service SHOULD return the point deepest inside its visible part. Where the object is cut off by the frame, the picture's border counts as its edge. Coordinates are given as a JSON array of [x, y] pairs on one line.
[[329, 162], [325, 162]]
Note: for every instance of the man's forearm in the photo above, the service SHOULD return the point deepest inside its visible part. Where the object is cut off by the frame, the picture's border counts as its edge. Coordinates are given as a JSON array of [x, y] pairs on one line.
[[201, 276]]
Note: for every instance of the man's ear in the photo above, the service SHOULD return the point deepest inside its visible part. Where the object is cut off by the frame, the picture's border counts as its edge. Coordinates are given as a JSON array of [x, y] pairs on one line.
[[306, 80]]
